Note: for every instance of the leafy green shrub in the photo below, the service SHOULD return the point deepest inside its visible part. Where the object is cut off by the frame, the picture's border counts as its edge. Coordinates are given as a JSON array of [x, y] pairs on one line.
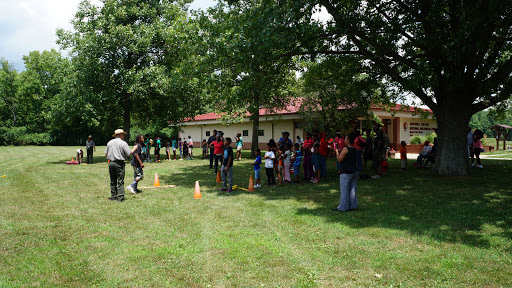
[[416, 140], [421, 139], [19, 136]]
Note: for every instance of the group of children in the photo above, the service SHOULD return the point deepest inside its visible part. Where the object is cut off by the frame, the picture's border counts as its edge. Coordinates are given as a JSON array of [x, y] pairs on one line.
[[282, 160], [185, 148]]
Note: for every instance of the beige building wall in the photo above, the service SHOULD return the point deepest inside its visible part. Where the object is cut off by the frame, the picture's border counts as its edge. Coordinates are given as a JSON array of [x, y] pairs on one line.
[[272, 129], [415, 126]]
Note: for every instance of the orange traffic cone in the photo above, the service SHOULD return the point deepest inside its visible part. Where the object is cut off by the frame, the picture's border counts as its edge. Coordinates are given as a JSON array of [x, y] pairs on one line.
[[219, 179], [197, 191], [251, 184], [157, 181], [72, 159]]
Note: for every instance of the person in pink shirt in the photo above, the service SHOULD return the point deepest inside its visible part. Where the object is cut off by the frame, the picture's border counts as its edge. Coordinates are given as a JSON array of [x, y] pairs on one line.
[[359, 144], [477, 147], [339, 144]]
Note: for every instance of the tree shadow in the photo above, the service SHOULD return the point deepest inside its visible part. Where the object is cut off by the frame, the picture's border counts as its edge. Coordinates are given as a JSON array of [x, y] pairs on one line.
[[469, 210]]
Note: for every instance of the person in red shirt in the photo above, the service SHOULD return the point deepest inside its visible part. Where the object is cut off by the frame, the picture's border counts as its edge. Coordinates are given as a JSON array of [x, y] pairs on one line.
[[403, 156], [308, 163], [359, 144], [218, 150], [323, 153]]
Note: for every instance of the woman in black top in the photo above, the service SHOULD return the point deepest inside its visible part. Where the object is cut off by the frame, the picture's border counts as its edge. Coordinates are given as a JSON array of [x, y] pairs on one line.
[[349, 174]]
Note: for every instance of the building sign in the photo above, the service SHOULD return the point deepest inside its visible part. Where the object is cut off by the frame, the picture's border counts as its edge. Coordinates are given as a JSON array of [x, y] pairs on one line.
[[420, 128]]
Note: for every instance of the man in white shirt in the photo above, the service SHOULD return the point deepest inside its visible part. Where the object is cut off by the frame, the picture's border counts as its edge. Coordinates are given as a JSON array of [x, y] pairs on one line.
[[116, 152]]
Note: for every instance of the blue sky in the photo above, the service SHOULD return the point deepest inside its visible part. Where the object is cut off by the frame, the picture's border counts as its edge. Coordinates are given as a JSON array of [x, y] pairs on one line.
[[28, 25]]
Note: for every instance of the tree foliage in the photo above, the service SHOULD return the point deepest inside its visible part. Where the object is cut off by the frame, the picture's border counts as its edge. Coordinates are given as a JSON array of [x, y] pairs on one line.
[[134, 60], [453, 55], [246, 73]]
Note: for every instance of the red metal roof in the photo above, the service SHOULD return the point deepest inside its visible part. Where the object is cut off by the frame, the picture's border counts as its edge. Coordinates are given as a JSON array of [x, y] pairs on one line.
[[294, 109]]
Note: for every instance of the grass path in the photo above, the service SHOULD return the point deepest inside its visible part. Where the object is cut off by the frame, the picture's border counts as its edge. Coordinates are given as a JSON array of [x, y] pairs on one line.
[[412, 229]]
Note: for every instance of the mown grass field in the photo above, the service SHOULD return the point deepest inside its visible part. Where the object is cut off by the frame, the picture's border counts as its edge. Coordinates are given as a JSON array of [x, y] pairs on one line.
[[412, 229]]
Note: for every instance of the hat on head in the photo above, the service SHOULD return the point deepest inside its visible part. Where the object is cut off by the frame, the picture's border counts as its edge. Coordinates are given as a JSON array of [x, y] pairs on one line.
[[90, 137], [118, 131]]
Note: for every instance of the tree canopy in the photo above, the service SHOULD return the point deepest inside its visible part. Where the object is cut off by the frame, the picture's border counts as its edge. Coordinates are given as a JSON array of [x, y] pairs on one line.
[[134, 60]]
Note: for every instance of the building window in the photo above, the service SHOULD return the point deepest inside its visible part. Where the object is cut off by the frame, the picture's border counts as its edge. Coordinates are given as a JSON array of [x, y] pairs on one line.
[[245, 132], [261, 132], [207, 133]]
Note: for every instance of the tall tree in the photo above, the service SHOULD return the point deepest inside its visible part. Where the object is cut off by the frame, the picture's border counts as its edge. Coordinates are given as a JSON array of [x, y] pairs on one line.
[[42, 82], [133, 58], [9, 88], [247, 74], [455, 56]]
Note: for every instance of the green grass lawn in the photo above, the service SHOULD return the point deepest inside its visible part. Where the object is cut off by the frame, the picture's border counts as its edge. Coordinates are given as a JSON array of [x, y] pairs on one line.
[[412, 229]]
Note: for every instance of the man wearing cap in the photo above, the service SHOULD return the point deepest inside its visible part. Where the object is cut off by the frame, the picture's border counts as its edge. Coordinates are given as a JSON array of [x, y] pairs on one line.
[[116, 152], [89, 144]]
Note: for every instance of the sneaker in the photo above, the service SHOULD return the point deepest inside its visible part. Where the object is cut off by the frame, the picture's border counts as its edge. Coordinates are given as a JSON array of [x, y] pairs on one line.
[[472, 164], [223, 189], [229, 191], [138, 191], [480, 166], [316, 181], [130, 188], [376, 176]]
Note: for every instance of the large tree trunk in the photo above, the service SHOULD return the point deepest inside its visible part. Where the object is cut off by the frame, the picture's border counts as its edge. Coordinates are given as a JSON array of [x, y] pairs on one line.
[[255, 128], [452, 154], [255, 113]]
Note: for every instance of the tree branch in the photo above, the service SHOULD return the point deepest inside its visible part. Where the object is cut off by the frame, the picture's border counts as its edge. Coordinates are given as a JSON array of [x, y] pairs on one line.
[[504, 94]]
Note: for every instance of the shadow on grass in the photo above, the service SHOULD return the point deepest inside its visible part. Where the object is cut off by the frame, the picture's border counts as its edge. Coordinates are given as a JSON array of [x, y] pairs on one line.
[[473, 210], [469, 210]]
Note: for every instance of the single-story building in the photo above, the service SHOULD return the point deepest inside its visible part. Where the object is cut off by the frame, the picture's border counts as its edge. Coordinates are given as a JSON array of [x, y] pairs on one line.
[[400, 124]]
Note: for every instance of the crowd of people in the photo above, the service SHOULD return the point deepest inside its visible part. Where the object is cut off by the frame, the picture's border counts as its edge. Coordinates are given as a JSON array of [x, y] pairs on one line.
[[283, 160]]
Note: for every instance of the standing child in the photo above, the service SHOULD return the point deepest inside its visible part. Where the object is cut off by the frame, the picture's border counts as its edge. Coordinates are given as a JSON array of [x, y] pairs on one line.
[[148, 144], [174, 146], [403, 156], [180, 146], [257, 165], [287, 162], [227, 167], [205, 149], [190, 146], [269, 164], [297, 160], [280, 165], [168, 149], [137, 165], [158, 145], [239, 145], [185, 150]]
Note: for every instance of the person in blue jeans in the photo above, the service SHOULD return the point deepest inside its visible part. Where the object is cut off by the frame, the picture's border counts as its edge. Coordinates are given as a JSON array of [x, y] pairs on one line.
[[349, 174]]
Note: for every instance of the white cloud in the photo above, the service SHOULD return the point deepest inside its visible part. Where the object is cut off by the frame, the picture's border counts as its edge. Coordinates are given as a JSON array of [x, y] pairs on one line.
[[28, 25]]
